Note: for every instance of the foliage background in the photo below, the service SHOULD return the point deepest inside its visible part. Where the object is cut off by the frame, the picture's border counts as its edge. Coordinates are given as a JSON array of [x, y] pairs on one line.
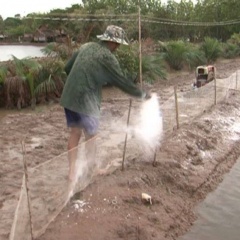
[[174, 36], [171, 19]]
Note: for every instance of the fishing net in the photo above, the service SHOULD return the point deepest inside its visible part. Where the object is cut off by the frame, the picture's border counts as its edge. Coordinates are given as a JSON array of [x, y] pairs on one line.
[[196, 101], [48, 182]]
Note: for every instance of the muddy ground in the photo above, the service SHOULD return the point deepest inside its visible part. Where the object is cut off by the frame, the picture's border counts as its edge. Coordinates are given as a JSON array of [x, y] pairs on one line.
[[190, 163]]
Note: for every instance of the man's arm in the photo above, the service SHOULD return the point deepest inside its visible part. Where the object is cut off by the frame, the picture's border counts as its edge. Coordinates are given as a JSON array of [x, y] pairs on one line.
[[70, 63], [116, 78]]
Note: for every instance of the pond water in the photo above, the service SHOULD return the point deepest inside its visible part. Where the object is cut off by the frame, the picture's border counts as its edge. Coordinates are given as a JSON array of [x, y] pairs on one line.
[[219, 214], [19, 51]]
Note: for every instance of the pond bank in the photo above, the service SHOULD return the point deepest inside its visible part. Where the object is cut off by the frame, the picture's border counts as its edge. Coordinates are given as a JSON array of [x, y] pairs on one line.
[[22, 44]]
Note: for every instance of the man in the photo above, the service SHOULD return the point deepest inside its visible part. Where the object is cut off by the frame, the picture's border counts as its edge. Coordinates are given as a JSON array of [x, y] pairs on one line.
[[88, 70]]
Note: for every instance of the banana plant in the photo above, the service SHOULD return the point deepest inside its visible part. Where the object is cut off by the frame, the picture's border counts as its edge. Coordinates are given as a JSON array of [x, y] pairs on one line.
[[50, 80], [62, 51], [27, 69], [3, 74], [19, 81]]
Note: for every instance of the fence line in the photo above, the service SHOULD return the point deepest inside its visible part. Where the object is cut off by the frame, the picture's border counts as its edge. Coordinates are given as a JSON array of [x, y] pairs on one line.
[[130, 18]]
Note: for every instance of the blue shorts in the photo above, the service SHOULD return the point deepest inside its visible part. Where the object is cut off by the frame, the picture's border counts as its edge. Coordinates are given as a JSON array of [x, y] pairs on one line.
[[88, 123]]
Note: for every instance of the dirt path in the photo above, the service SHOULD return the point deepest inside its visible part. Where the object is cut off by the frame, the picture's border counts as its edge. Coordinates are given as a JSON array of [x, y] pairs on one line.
[[190, 163]]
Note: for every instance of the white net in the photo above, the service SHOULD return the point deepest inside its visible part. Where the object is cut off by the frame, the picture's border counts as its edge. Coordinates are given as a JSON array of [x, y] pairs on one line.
[[48, 182], [196, 101], [21, 227]]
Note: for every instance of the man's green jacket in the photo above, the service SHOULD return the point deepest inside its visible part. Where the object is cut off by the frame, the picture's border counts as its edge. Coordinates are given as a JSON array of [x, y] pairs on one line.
[[88, 70]]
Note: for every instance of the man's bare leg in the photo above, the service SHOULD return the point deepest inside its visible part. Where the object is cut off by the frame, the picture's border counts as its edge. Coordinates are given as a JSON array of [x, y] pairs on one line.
[[74, 138], [91, 151], [91, 154]]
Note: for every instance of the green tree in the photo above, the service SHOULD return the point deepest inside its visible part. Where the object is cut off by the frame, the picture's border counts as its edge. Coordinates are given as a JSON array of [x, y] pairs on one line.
[[1, 25], [13, 27], [12, 22], [152, 65], [16, 32]]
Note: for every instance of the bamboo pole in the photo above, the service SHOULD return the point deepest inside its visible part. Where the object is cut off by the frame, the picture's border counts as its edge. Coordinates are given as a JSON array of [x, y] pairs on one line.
[[27, 189], [215, 91], [236, 80], [176, 106], [154, 158], [140, 43], [126, 137], [15, 220]]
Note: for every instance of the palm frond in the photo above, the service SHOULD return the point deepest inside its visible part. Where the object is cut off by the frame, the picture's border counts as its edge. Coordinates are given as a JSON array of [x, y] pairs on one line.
[[58, 50], [23, 66], [230, 50], [3, 73], [211, 48], [50, 50], [174, 54], [46, 86], [153, 68]]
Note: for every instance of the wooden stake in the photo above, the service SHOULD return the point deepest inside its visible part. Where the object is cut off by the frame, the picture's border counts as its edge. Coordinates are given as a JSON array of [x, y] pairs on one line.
[[140, 43], [236, 80], [27, 190], [155, 157], [215, 91], [176, 106], [126, 137]]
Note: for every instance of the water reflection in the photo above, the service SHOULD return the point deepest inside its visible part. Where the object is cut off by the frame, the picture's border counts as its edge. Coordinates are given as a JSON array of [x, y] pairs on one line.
[[220, 212], [6, 52]]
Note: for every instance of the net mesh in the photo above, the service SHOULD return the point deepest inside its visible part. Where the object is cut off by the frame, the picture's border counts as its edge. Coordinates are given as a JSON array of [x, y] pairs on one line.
[[21, 227], [48, 182], [196, 101]]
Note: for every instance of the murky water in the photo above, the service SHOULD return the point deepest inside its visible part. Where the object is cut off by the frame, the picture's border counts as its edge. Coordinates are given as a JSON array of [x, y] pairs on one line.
[[220, 212], [19, 51]]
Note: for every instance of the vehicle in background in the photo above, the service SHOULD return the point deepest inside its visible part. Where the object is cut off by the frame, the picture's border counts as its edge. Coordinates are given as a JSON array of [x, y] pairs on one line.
[[204, 75]]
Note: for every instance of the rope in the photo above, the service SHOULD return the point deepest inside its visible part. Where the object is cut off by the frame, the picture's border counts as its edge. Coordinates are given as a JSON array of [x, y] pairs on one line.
[[131, 18]]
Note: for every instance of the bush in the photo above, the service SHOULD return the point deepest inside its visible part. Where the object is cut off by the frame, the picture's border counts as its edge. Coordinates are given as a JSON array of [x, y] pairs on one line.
[[211, 48], [128, 61], [230, 50], [153, 68], [235, 39], [194, 57], [178, 54], [175, 52], [152, 65]]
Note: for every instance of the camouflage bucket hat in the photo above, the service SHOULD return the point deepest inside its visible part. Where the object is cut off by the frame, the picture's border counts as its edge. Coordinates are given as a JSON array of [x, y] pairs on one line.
[[114, 34]]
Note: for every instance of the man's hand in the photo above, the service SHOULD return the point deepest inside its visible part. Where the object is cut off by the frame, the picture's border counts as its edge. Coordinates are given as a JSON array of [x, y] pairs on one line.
[[148, 95]]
